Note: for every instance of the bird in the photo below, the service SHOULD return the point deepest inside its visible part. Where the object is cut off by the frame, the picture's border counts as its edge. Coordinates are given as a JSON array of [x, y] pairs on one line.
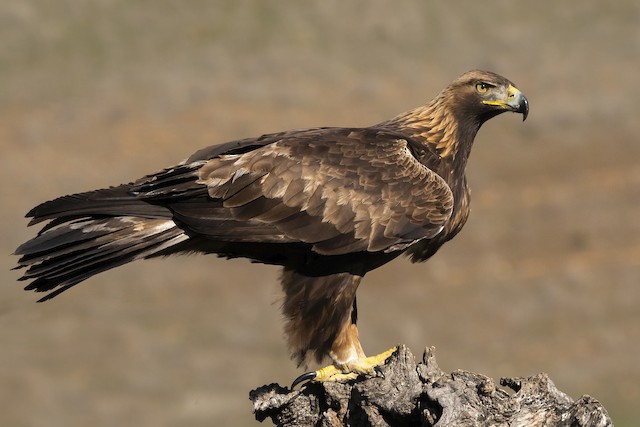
[[327, 204]]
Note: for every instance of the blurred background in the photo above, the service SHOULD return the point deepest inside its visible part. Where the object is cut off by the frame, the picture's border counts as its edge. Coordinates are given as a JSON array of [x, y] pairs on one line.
[[545, 277]]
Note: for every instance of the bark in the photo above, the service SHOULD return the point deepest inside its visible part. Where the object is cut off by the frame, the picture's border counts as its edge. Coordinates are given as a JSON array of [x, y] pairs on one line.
[[421, 394]]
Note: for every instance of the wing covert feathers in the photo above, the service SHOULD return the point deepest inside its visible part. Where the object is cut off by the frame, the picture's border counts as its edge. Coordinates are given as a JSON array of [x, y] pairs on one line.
[[340, 190]]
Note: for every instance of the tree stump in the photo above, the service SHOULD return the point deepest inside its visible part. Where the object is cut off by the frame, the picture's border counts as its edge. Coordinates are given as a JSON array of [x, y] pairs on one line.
[[410, 394]]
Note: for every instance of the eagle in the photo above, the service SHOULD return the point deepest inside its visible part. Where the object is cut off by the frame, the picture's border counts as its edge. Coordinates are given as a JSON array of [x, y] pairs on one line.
[[328, 204]]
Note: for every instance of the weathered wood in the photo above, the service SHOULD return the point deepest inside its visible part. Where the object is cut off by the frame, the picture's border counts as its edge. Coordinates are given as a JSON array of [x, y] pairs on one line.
[[411, 394]]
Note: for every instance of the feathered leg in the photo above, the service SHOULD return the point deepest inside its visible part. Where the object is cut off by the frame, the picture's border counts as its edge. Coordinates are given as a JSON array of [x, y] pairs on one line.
[[321, 319], [320, 316]]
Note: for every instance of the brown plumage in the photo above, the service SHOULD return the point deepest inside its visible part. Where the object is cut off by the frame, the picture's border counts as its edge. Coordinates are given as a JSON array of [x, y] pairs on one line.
[[327, 204]]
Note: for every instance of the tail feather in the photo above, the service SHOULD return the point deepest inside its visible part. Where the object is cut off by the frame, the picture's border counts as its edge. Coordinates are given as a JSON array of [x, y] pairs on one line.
[[114, 201], [70, 237], [92, 232], [70, 257]]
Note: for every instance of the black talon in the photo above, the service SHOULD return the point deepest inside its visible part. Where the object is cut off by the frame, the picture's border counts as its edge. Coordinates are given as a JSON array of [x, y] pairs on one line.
[[308, 376], [378, 371]]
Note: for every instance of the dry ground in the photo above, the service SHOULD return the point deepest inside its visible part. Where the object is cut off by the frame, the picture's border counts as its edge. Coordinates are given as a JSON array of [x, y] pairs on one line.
[[545, 276]]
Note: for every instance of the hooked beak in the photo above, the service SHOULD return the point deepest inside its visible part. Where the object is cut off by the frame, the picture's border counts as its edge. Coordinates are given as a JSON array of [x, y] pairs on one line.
[[516, 102]]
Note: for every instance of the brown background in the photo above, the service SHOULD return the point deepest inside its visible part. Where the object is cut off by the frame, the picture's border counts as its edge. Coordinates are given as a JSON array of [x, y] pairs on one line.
[[545, 276]]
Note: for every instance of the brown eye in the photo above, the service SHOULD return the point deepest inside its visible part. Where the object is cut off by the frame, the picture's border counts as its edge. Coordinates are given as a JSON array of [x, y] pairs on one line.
[[482, 87]]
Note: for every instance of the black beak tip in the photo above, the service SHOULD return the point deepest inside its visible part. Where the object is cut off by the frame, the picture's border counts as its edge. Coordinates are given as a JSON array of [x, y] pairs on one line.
[[524, 108]]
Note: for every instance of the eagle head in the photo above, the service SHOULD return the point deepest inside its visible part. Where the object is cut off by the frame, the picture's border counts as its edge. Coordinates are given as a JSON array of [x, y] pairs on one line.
[[483, 95]]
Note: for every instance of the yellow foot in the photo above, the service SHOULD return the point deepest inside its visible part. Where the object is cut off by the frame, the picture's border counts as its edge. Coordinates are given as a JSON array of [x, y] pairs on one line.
[[347, 371]]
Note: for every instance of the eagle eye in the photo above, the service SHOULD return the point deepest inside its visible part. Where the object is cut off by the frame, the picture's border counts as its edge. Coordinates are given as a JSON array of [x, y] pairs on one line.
[[482, 87]]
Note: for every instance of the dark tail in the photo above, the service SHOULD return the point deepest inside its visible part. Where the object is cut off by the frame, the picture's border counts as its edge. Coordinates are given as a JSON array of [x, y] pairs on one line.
[[92, 232]]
